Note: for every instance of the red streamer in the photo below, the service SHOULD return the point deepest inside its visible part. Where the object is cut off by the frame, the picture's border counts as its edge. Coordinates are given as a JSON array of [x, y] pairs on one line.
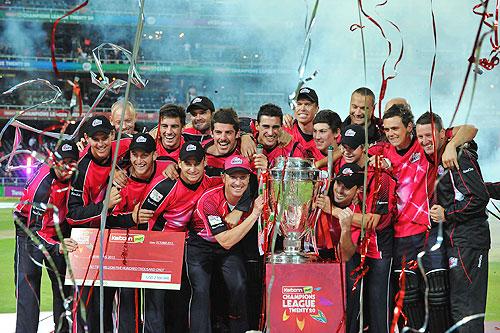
[[361, 270], [385, 79], [53, 35], [400, 296]]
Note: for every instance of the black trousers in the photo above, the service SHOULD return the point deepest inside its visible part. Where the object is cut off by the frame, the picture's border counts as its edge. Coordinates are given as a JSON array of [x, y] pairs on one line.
[[90, 299], [468, 285], [378, 295], [28, 274], [167, 310], [129, 310], [202, 259]]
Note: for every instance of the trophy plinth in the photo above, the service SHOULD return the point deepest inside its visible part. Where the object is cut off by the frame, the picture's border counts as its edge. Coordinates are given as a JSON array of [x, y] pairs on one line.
[[293, 181]]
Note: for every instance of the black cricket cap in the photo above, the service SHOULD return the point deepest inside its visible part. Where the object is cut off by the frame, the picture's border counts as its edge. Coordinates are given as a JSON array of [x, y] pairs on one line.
[[98, 124], [192, 149], [67, 149], [309, 94], [353, 136], [201, 102], [144, 142], [350, 174]]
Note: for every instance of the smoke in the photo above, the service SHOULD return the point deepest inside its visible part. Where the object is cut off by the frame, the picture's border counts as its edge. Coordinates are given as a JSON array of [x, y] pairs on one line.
[[23, 38], [217, 37]]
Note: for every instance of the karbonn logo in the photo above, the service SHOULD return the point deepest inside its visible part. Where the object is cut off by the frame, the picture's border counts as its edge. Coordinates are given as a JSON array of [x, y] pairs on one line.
[[66, 147], [236, 160], [121, 238], [96, 122], [296, 289], [141, 139], [196, 100]]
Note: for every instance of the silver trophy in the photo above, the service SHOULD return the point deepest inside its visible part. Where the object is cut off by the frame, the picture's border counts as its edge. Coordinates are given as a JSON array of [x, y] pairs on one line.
[[293, 182]]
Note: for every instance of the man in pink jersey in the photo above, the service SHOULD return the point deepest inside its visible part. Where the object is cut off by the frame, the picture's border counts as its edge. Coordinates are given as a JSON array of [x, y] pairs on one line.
[[214, 244], [169, 140], [377, 222], [269, 127], [172, 203], [326, 133], [405, 159], [459, 205], [306, 107]]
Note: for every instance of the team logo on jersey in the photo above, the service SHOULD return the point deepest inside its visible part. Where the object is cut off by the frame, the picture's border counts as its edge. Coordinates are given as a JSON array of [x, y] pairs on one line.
[[440, 170], [66, 147], [190, 147], [214, 220], [350, 132], [141, 139], [452, 262], [304, 91], [236, 160], [414, 157], [155, 195], [196, 100], [347, 172], [96, 122]]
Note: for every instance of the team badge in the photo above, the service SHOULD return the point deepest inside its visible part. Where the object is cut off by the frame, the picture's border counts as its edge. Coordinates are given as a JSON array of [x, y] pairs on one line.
[[414, 157], [452, 262], [347, 172], [96, 122], [236, 160], [66, 147], [350, 132]]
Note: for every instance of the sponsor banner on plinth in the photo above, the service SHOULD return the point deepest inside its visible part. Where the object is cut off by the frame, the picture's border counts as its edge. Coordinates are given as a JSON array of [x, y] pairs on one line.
[[305, 297]]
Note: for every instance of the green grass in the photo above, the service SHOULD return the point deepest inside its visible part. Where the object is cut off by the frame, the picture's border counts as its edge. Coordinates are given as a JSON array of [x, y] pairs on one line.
[[492, 304], [8, 199], [7, 288], [7, 249]]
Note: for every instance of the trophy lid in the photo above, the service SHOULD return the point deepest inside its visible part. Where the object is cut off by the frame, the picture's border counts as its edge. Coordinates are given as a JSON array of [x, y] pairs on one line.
[[295, 168]]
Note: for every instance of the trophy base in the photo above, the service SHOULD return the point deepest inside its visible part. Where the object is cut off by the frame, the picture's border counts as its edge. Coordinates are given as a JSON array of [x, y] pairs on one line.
[[291, 258]]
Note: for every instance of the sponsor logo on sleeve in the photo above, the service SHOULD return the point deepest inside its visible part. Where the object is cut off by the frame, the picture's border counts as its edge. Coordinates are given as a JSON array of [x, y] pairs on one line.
[[155, 195], [214, 221]]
